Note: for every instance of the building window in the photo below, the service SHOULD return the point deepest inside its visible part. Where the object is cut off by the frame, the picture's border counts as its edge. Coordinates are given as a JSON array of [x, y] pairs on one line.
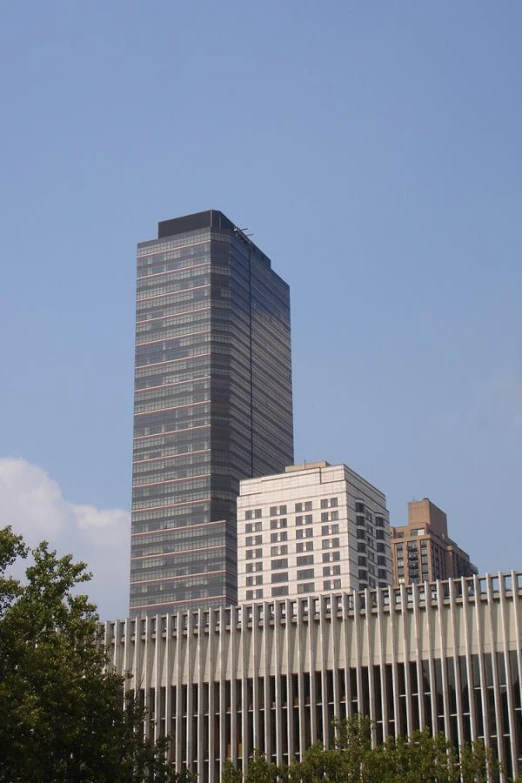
[[363, 574], [331, 557], [281, 536], [279, 550], [330, 530], [277, 511], [334, 584], [307, 533], [249, 514], [306, 587], [276, 524], [329, 502], [379, 521], [331, 570], [278, 564], [359, 508], [258, 512], [331, 543], [298, 508], [306, 546], [280, 577], [279, 591], [251, 567], [305, 573], [361, 534], [253, 540], [253, 527], [305, 560]]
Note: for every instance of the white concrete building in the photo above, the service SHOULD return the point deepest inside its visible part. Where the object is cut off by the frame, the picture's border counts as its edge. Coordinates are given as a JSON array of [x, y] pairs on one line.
[[271, 675], [312, 529]]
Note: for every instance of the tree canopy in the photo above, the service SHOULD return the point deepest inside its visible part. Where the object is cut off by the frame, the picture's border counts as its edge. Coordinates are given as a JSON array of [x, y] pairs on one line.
[[66, 716], [419, 758]]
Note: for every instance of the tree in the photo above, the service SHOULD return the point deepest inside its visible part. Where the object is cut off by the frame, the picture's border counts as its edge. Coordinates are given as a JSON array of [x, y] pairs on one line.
[[230, 773], [422, 758], [260, 770], [65, 715], [477, 763], [419, 758]]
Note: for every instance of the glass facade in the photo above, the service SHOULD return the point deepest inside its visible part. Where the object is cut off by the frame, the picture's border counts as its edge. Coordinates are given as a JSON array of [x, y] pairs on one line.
[[213, 405]]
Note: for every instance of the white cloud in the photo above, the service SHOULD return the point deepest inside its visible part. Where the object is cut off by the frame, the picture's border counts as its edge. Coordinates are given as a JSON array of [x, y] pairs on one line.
[[33, 504]]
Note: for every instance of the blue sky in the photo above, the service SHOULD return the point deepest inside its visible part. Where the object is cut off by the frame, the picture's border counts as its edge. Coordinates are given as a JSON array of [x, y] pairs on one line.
[[374, 150]]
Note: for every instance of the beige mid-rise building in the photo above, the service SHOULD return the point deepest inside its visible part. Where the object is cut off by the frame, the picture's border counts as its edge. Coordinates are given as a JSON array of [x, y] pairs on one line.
[[314, 528], [423, 551]]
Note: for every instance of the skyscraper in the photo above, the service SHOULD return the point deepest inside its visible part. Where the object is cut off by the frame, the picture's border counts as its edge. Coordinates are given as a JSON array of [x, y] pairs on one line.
[[212, 405]]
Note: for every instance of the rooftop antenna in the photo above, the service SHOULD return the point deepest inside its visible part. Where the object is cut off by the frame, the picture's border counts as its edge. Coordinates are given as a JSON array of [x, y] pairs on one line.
[[243, 234]]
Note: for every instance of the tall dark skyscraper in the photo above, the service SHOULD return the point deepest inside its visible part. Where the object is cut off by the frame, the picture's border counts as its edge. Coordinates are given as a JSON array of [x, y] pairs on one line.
[[212, 405]]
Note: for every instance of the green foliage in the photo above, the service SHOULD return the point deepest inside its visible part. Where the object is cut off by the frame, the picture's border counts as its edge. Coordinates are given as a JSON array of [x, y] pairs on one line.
[[65, 717], [260, 770], [419, 758], [477, 764], [230, 773]]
